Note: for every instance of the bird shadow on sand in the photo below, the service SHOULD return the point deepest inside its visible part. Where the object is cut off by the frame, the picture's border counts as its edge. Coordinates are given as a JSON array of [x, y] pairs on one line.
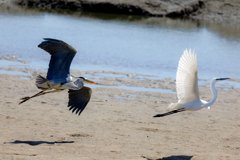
[[34, 143], [181, 157]]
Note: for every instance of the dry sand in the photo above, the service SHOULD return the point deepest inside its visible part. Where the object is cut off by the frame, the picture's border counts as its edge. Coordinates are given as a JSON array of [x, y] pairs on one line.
[[116, 124]]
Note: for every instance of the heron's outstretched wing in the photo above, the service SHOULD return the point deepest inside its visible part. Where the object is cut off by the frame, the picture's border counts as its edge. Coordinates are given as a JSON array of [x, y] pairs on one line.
[[62, 55], [78, 99], [187, 77]]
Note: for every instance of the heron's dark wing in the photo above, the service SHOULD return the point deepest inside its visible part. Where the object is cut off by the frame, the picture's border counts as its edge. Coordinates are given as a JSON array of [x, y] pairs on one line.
[[78, 99], [62, 55]]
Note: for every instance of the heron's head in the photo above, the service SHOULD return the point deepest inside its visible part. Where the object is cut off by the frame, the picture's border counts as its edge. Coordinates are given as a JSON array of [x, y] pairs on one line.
[[83, 79], [219, 79]]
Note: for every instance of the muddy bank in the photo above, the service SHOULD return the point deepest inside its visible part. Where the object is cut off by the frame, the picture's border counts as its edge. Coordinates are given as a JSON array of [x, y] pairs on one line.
[[213, 10], [218, 10], [141, 7]]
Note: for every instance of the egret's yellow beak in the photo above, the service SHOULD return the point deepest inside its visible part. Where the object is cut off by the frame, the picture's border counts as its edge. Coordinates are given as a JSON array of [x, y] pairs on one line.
[[90, 81]]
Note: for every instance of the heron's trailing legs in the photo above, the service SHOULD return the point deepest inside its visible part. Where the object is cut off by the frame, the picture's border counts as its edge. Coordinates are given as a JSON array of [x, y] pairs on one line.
[[24, 99], [171, 112]]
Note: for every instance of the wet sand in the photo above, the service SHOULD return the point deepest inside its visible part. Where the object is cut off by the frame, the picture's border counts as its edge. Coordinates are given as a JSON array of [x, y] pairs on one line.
[[117, 123]]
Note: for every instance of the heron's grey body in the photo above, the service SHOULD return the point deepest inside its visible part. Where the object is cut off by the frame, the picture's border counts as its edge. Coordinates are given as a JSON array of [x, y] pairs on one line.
[[59, 77], [43, 83]]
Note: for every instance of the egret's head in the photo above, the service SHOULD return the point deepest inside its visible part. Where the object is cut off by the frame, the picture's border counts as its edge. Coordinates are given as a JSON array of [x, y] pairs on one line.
[[83, 79], [219, 79]]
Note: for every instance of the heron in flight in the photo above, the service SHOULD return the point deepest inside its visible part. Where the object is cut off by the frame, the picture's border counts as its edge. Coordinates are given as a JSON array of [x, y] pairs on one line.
[[59, 77], [187, 86]]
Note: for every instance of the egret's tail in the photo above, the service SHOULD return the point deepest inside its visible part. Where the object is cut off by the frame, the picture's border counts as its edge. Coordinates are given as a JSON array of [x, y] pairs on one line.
[[173, 106], [168, 113]]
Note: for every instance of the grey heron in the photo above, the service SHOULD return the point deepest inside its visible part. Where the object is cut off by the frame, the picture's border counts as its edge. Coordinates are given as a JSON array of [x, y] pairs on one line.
[[59, 77], [187, 86]]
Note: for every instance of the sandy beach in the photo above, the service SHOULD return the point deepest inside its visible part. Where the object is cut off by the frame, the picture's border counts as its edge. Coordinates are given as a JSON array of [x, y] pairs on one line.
[[116, 124]]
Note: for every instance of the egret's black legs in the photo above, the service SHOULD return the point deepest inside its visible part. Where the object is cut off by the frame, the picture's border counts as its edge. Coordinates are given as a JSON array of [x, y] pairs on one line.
[[169, 113]]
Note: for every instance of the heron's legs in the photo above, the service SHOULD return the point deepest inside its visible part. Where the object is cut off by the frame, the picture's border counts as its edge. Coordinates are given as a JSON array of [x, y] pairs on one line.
[[24, 99], [27, 98], [56, 90]]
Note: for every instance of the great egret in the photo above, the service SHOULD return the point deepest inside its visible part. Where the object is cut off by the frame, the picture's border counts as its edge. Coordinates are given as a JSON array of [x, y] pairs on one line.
[[187, 86], [59, 78]]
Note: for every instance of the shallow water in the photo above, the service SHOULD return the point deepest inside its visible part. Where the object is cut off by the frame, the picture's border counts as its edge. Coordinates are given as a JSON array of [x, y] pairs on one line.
[[130, 44], [13, 72], [137, 88]]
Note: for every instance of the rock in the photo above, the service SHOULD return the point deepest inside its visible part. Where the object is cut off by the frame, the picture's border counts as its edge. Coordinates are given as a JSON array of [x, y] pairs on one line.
[[219, 10], [213, 10], [140, 7]]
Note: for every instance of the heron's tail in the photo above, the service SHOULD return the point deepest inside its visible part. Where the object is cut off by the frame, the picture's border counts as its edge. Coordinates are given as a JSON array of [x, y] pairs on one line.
[[40, 82], [168, 113], [40, 79]]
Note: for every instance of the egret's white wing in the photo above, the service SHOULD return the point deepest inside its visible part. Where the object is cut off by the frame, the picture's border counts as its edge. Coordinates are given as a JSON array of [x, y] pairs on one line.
[[187, 77]]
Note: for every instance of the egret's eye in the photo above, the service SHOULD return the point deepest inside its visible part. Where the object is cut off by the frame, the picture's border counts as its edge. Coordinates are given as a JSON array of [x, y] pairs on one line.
[[217, 79]]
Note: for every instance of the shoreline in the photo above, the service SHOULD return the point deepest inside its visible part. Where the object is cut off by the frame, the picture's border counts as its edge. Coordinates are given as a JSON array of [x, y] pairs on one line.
[[111, 79]]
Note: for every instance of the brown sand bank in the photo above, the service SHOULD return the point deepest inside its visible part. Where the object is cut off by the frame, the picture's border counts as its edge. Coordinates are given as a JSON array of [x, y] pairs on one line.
[[116, 124], [211, 10]]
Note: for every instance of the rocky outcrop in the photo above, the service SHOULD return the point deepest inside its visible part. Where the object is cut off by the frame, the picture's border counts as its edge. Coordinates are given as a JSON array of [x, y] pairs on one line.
[[218, 10], [214, 10], [139, 7]]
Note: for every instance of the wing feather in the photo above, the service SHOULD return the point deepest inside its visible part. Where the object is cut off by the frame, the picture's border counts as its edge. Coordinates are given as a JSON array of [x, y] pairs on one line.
[[187, 77], [78, 99], [62, 55]]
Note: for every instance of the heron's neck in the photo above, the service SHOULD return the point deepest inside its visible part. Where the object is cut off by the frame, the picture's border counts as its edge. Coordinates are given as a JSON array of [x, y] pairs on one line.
[[214, 93]]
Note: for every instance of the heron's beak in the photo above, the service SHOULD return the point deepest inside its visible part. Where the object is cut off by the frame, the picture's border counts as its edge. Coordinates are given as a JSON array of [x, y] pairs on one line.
[[223, 79], [90, 81]]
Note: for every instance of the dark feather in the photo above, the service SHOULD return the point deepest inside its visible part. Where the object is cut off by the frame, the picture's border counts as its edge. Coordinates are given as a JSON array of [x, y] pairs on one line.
[[169, 113], [40, 80], [62, 55], [78, 99]]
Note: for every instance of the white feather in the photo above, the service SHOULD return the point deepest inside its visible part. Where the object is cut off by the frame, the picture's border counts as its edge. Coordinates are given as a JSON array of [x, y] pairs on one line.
[[187, 78]]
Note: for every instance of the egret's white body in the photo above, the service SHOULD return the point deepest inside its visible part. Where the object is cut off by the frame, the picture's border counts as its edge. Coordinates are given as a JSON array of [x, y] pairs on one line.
[[187, 86]]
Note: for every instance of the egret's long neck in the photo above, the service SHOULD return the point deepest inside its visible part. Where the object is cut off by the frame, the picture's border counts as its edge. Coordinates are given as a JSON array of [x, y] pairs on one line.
[[214, 93]]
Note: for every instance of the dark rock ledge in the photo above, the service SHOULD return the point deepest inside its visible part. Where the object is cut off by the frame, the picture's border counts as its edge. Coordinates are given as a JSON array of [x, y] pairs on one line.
[[133, 7], [214, 10]]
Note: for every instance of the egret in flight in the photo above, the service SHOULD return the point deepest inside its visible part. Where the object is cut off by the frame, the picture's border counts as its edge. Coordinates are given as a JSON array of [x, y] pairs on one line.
[[59, 77], [187, 86]]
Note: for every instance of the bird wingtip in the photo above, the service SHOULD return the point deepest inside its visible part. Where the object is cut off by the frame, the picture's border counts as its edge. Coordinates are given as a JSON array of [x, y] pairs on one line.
[[52, 40]]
